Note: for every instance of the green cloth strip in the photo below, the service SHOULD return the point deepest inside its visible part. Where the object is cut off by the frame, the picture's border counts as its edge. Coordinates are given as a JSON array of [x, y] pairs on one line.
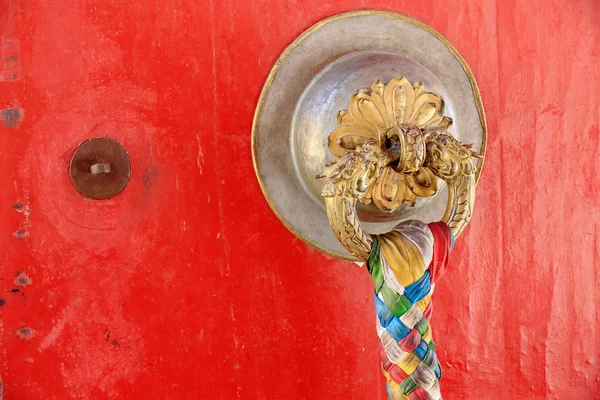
[[374, 266], [422, 325], [408, 386], [430, 357], [397, 304]]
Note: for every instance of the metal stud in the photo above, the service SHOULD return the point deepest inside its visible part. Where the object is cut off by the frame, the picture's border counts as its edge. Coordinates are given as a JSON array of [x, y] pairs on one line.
[[100, 168]]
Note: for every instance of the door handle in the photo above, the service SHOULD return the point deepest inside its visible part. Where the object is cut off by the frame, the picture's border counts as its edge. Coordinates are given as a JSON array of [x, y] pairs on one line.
[[376, 177], [392, 145]]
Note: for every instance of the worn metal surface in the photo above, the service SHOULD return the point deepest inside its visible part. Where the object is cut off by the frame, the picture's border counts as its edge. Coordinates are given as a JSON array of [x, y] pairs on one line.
[[100, 168], [186, 286], [314, 79]]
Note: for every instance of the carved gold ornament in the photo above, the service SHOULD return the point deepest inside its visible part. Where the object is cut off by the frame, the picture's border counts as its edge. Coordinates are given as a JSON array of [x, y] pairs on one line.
[[392, 145]]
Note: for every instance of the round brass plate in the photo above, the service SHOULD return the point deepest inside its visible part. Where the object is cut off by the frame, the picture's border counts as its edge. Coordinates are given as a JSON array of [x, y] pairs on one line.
[[100, 168], [315, 78]]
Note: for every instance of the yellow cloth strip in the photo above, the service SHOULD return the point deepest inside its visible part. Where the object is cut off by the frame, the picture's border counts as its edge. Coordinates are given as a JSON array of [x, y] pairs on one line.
[[427, 335], [403, 257], [395, 390], [398, 395], [409, 363], [424, 302]]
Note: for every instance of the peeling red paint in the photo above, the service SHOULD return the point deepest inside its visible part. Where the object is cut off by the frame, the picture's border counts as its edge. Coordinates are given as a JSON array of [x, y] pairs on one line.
[[25, 333], [186, 285], [10, 64], [22, 279], [11, 117]]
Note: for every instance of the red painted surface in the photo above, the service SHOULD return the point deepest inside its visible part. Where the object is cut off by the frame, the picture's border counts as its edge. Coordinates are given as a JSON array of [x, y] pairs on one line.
[[186, 285]]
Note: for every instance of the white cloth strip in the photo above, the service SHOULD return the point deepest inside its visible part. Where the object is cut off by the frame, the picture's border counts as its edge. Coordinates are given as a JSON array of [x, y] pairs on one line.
[[380, 329], [423, 376], [419, 233], [392, 349], [434, 391], [390, 277], [412, 316]]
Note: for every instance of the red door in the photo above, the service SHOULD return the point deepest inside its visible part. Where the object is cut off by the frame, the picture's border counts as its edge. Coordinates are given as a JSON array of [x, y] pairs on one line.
[[187, 286]]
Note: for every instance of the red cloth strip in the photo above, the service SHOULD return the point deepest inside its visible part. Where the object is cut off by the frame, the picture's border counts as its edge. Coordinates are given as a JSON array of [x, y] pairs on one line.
[[441, 249], [410, 341], [386, 364], [397, 374], [428, 311]]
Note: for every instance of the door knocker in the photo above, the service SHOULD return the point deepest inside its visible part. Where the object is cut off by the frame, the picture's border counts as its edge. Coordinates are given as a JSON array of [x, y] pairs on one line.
[[390, 180]]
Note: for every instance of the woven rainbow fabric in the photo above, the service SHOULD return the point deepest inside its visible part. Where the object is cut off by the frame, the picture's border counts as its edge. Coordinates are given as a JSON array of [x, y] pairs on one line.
[[403, 265]]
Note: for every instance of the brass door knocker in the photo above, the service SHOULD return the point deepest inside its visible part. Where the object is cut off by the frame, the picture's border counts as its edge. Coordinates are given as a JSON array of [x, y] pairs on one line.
[[392, 146], [391, 181]]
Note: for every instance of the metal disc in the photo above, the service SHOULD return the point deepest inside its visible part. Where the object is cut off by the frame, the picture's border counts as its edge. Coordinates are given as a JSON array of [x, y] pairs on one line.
[[315, 78], [100, 168]]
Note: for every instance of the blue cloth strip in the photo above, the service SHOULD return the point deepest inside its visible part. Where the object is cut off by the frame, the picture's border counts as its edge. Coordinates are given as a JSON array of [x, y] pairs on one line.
[[389, 321], [384, 315], [421, 350], [438, 371], [397, 329], [419, 289]]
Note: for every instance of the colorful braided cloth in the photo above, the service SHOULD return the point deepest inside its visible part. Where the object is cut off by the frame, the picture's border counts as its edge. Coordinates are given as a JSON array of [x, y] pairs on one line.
[[403, 265]]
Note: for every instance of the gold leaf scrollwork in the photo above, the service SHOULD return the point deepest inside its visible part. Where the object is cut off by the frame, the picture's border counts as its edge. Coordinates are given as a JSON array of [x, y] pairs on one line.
[[397, 110], [392, 145]]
